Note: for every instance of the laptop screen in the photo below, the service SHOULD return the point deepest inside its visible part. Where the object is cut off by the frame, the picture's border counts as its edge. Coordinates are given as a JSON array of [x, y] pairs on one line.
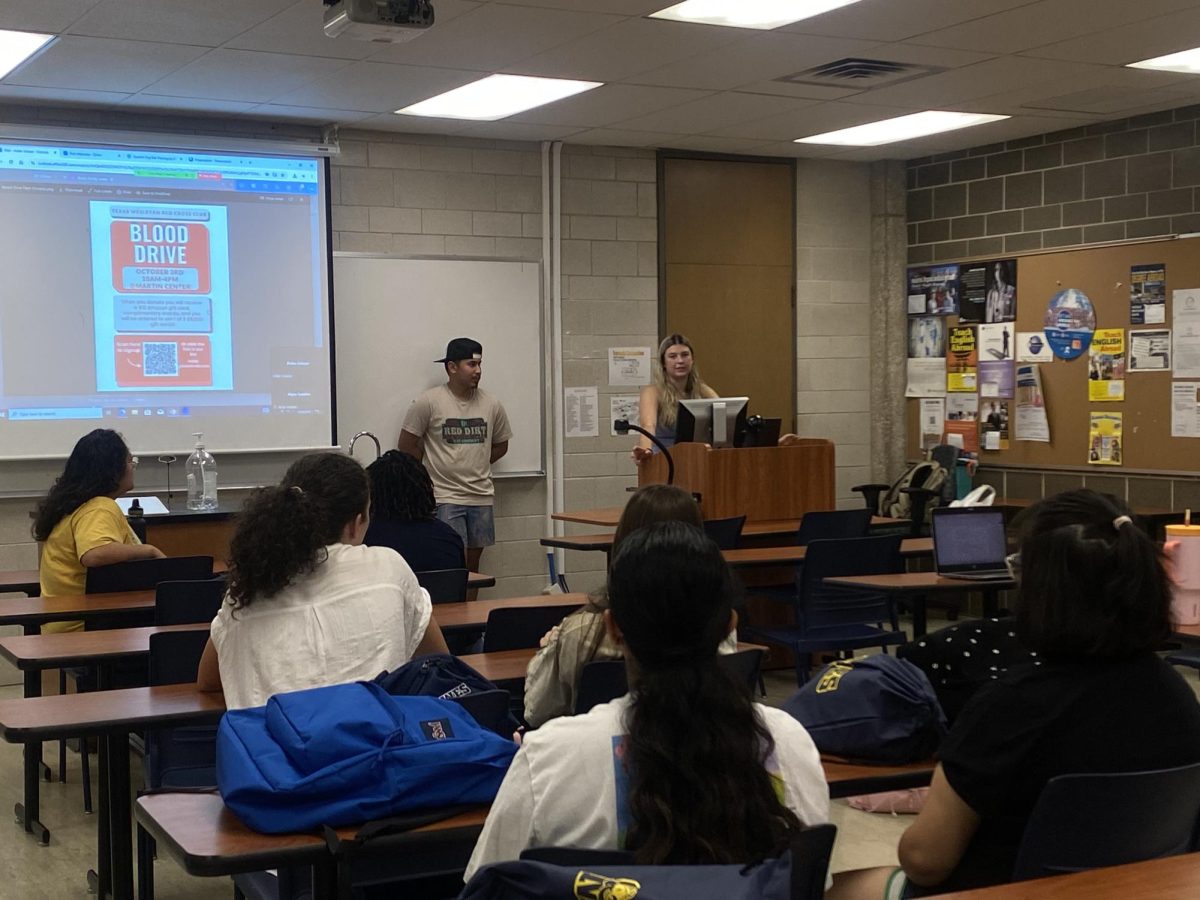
[[970, 540]]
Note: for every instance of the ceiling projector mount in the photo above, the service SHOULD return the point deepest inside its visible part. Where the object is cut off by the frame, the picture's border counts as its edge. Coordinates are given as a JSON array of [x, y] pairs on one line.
[[381, 21]]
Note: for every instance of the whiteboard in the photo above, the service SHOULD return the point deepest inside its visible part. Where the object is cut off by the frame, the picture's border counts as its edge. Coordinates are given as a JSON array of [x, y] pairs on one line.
[[393, 317]]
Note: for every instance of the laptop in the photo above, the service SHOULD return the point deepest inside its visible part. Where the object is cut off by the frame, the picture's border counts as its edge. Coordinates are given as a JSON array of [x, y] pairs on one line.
[[969, 543]]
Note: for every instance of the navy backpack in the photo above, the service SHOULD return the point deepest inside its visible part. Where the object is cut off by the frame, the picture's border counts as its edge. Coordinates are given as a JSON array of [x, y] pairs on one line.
[[353, 753], [449, 678]]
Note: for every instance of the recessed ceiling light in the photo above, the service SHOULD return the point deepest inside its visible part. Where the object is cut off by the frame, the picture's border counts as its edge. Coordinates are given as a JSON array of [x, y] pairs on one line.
[[901, 128], [18, 46], [764, 14], [497, 96], [1186, 61]]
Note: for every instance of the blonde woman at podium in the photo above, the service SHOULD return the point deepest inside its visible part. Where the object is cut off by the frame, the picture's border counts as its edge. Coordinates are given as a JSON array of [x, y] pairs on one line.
[[675, 378]]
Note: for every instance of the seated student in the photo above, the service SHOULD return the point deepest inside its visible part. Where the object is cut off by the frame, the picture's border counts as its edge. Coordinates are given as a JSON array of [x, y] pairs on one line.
[[552, 679], [79, 521], [308, 604], [402, 515], [684, 769], [1094, 604]]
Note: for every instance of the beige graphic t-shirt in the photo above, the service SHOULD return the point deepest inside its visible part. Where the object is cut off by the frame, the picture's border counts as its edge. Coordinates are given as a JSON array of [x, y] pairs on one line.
[[458, 437]]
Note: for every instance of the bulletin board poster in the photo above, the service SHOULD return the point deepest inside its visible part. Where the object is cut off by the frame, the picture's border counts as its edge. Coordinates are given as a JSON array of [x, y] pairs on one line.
[[1069, 322], [160, 296], [1105, 439], [962, 419], [1106, 365], [1148, 294], [993, 424], [962, 360], [939, 287]]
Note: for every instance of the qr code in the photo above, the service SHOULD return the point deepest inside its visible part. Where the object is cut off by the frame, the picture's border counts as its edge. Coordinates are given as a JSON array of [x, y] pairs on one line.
[[160, 358]]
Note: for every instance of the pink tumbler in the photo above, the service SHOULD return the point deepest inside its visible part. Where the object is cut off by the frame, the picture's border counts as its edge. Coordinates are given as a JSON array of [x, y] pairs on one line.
[[1183, 562]]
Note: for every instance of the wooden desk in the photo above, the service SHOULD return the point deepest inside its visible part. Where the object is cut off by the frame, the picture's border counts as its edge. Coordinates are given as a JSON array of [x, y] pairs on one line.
[[847, 779], [21, 581], [915, 585], [608, 516], [1172, 878], [510, 665], [739, 558]]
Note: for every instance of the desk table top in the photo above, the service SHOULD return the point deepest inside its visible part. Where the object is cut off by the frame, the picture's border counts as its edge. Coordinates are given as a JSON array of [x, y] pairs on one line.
[[918, 582], [608, 516], [1158, 879]]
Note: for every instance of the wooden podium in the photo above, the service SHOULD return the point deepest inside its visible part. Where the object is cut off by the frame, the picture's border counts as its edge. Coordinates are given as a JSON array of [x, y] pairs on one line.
[[761, 483]]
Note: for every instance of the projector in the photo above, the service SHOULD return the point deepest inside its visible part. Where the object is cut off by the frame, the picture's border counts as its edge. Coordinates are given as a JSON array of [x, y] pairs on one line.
[[381, 21]]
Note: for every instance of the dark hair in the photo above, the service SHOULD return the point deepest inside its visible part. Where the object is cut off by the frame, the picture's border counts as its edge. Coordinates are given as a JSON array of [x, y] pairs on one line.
[[696, 747], [94, 469], [282, 531], [400, 488], [1092, 584]]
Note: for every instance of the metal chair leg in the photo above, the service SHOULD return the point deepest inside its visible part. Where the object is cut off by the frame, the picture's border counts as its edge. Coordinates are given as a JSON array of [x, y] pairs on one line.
[[85, 775]]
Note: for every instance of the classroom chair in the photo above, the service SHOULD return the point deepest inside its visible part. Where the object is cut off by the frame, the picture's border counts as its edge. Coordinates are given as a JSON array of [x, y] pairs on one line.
[[600, 681], [824, 525], [1089, 821], [832, 618], [1188, 656], [726, 532], [444, 585], [520, 628], [188, 602]]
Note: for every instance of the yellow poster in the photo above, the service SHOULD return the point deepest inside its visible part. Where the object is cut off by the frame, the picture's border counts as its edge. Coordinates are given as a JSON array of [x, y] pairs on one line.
[[962, 362], [1106, 365], [1105, 439]]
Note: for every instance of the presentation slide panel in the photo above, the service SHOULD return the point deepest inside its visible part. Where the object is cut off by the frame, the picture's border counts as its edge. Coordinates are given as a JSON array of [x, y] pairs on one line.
[[163, 314], [160, 257], [163, 361]]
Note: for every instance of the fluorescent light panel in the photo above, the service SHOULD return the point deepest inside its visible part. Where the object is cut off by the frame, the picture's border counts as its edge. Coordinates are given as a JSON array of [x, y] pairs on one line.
[[18, 46], [902, 128], [497, 97], [1185, 61], [763, 14]]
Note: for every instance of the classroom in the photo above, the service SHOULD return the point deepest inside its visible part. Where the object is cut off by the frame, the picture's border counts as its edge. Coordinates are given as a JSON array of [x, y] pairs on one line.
[[677, 195]]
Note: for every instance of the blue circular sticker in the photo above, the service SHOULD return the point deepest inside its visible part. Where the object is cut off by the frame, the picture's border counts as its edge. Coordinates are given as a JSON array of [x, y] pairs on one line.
[[1069, 323], [1036, 344]]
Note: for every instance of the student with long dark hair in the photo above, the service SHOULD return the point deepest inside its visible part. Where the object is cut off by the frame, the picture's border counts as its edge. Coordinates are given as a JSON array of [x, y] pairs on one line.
[[1094, 605], [403, 515], [552, 679], [308, 604], [684, 769], [79, 523]]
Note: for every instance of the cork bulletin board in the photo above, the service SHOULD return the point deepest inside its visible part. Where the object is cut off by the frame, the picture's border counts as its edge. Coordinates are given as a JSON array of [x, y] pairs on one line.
[[1103, 273]]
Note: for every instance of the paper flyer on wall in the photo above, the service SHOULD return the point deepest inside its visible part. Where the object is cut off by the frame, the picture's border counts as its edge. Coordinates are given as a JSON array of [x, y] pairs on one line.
[[1105, 439], [1148, 294], [629, 365], [1106, 365], [1150, 351], [994, 424], [962, 359], [933, 415], [938, 285], [988, 291], [1185, 409], [1032, 424], [623, 406], [1033, 348], [926, 378], [962, 420], [1185, 333], [581, 412], [926, 337], [995, 360]]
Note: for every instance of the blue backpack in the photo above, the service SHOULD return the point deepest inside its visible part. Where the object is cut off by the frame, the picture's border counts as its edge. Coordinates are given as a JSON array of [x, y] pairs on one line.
[[353, 753]]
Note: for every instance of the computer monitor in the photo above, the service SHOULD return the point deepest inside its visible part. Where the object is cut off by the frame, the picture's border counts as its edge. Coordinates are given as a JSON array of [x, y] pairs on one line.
[[718, 421]]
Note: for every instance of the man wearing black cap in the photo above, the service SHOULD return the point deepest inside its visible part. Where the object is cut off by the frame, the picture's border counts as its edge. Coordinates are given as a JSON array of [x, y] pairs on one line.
[[459, 431]]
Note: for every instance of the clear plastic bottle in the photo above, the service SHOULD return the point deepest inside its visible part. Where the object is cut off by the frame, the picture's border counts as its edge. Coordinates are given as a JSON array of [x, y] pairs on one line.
[[201, 470]]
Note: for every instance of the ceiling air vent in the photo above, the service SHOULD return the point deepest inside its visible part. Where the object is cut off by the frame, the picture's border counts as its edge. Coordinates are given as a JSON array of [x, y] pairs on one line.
[[859, 74]]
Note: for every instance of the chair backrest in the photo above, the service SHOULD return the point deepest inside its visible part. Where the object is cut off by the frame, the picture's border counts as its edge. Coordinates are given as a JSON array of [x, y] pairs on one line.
[[600, 681], [445, 585], [188, 602], [175, 656], [726, 532], [834, 523], [143, 574], [488, 707], [743, 666], [1088, 821], [181, 757], [820, 605], [519, 628]]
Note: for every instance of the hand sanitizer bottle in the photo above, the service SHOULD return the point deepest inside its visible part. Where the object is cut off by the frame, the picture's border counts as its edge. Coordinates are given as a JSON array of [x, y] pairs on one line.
[[201, 471]]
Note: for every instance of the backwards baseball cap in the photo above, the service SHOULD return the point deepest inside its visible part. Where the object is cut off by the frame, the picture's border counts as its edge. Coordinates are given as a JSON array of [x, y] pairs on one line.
[[462, 348]]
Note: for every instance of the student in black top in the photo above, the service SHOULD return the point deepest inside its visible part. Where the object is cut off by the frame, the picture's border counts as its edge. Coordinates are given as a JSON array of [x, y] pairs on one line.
[[402, 515], [1094, 604]]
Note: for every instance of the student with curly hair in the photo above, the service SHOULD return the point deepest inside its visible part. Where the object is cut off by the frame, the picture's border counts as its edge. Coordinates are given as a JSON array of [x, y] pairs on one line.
[[403, 515], [684, 769], [79, 523], [308, 604]]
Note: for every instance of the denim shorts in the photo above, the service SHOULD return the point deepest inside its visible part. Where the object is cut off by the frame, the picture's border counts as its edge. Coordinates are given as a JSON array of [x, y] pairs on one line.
[[474, 524]]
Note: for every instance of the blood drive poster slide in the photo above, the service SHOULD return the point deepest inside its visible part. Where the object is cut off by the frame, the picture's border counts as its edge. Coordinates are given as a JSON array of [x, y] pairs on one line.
[[160, 296]]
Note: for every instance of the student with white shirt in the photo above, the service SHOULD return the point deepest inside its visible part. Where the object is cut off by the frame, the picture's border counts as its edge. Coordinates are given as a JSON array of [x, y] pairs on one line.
[[308, 604], [684, 769]]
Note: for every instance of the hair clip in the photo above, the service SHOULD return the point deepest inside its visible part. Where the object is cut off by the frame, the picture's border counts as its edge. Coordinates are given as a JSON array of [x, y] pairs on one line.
[[1121, 520], [297, 490]]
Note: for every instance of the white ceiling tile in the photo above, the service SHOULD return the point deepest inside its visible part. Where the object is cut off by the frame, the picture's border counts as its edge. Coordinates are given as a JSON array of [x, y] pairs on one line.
[[615, 137], [298, 29], [494, 36], [626, 49], [607, 104], [920, 55], [617, 7], [103, 64], [189, 104], [810, 120], [799, 91], [66, 96], [206, 23], [709, 144], [889, 20], [518, 131], [715, 111], [51, 16], [376, 87], [245, 75], [309, 114], [1134, 41]]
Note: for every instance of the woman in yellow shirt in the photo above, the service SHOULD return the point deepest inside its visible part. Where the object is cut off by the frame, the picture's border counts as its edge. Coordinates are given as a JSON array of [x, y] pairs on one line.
[[79, 522]]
